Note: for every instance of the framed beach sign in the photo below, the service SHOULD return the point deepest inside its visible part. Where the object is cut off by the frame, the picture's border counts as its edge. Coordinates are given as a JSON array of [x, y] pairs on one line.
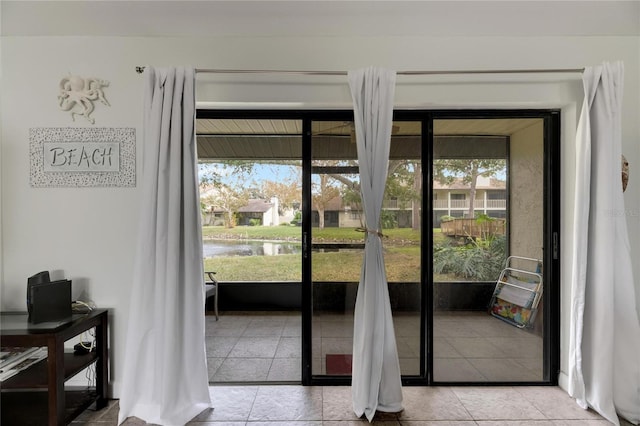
[[82, 157]]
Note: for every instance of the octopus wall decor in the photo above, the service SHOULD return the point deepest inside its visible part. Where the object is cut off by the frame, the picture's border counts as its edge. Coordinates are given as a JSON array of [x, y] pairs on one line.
[[77, 95]]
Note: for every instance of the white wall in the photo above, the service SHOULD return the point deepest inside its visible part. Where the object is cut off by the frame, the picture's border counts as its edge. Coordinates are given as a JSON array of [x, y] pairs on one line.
[[89, 234]]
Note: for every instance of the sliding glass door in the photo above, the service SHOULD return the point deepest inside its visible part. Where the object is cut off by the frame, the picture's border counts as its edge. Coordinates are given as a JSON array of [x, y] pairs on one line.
[[337, 245], [491, 209], [472, 282], [251, 200]]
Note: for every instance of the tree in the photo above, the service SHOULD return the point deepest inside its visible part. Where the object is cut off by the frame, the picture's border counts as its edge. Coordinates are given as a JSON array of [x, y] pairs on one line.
[[446, 171], [323, 193], [215, 173], [229, 200], [288, 192], [417, 192], [404, 184], [228, 185]]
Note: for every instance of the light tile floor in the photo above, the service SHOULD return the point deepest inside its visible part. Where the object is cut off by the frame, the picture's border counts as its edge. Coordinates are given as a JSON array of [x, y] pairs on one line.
[[254, 347], [266, 347], [293, 405]]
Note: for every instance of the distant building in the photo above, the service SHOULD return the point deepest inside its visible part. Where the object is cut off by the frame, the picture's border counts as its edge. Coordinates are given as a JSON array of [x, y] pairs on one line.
[[257, 211], [266, 212], [453, 200], [337, 214], [448, 200], [262, 212]]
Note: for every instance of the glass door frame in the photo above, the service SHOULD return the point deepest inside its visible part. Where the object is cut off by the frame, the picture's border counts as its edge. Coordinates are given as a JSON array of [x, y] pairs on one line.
[[551, 237]]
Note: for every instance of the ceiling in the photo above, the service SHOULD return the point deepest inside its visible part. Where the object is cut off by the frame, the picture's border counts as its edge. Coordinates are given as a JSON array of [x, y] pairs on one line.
[[155, 18], [494, 126], [282, 139]]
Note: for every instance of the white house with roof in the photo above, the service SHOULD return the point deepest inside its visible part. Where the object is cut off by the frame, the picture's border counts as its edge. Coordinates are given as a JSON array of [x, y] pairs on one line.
[[257, 211]]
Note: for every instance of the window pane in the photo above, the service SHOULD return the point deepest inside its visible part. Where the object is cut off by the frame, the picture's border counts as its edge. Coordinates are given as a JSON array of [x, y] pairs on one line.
[[488, 206], [338, 247], [250, 191]]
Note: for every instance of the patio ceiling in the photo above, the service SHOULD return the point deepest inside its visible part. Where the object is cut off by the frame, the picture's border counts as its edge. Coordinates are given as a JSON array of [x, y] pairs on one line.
[[225, 139]]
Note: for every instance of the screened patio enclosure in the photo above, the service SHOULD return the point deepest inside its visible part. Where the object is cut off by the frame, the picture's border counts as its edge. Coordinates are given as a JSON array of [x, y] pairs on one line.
[[297, 306]]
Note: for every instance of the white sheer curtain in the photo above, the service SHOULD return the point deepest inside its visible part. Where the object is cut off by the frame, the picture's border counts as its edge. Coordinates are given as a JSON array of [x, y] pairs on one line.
[[376, 383], [165, 377], [604, 347]]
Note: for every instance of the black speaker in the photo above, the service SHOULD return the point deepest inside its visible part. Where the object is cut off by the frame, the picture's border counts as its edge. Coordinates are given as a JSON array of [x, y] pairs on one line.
[[39, 278], [48, 300]]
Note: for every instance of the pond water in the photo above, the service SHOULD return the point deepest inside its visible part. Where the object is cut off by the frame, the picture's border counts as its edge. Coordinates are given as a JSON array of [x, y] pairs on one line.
[[217, 248]]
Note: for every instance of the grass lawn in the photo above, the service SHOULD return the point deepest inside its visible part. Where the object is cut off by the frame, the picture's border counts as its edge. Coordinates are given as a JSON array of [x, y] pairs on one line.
[[402, 255], [253, 232], [396, 235], [286, 267], [403, 264]]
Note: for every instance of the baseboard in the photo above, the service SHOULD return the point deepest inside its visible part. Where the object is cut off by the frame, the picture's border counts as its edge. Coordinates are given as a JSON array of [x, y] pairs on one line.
[[114, 390], [563, 382]]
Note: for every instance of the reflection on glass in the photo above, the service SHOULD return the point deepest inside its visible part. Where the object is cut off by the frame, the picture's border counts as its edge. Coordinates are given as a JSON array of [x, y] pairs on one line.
[[338, 246], [487, 204], [250, 173], [251, 199]]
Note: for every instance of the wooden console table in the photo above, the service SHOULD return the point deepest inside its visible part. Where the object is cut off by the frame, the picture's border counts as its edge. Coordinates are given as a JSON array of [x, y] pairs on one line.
[[37, 395]]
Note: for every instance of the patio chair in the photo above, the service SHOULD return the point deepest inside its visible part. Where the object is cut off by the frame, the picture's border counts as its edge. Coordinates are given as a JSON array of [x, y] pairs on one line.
[[211, 286], [518, 292]]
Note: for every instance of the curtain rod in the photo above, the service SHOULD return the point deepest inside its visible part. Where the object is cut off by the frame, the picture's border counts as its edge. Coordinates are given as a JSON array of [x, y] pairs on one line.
[[140, 70]]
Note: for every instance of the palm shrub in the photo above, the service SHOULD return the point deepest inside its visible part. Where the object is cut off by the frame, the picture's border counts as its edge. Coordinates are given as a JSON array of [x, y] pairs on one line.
[[388, 219], [477, 260]]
